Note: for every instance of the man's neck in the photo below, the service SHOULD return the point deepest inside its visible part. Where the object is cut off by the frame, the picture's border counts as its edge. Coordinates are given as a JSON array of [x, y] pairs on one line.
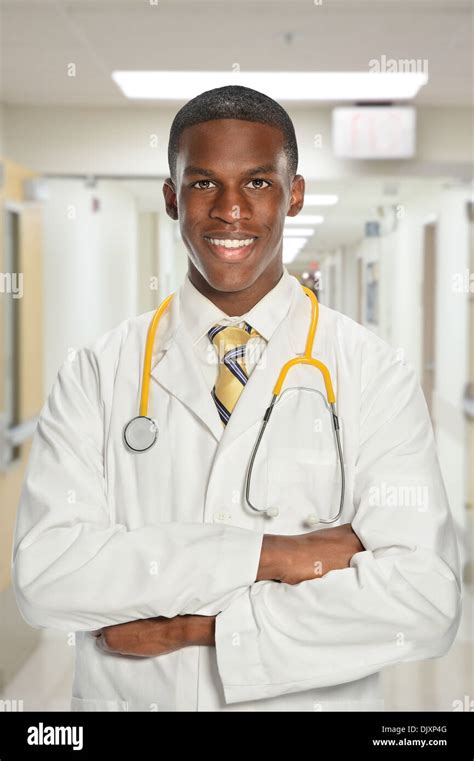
[[236, 303]]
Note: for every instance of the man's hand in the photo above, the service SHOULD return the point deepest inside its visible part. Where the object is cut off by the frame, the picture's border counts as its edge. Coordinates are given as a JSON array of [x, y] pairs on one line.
[[150, 637], [302, 557]]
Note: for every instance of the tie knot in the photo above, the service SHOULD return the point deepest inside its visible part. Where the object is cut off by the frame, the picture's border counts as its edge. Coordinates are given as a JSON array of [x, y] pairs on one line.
[[231, 337]]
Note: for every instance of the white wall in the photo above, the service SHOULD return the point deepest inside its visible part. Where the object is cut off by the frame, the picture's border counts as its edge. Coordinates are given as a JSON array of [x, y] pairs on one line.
[[452, 349], [400, 256], [452, 326], [332, 279], [90, 267], [407, 274], [162, 258], [148, 261], [401, 273], [120, 140], [349, 284], [181, 259], [371, 252], [2, 139], [172, 255]]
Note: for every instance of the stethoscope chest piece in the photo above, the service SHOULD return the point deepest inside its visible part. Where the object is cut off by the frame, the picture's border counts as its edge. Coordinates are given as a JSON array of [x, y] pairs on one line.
[[140, 433]]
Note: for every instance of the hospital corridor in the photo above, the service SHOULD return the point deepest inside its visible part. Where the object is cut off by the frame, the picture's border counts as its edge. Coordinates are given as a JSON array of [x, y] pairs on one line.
[[88, 93]]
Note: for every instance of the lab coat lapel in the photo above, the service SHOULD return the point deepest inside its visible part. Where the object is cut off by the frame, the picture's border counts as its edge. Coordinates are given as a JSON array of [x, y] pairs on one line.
[[287, 341], [176, 368]]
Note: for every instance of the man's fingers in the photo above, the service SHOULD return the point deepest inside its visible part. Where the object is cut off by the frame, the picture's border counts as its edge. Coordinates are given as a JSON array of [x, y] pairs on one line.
[[99, 642]]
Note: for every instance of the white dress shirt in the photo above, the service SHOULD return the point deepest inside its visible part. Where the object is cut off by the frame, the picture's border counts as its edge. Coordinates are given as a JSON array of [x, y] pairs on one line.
[[200, 314]]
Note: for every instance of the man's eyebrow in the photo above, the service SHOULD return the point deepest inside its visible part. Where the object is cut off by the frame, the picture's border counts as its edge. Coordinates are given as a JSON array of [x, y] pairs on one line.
[[198, 170], [263, 169]]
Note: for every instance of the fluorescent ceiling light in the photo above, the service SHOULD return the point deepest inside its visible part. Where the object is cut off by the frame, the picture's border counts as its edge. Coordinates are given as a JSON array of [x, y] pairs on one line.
[[304, 232], [320, 200], [305, 219], [281, 85]]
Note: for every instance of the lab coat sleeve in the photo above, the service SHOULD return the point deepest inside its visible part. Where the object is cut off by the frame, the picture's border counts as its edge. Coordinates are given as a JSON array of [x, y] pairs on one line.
[[73, 567], [400, 598]]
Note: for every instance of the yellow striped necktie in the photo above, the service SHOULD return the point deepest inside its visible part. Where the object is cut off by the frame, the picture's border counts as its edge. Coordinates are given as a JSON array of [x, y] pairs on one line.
[[230, 342]]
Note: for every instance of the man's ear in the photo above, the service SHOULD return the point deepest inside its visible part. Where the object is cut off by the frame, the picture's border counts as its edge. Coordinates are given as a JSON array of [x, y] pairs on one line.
[[171, 203], [297, 196]]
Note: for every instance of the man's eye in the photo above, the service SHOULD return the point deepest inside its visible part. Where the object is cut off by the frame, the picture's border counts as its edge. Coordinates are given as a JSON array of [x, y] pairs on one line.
[[206, 184], [199, 182], [260, 186]]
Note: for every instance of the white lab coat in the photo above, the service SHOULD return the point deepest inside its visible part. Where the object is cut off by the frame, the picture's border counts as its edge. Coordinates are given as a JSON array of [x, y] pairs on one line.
[[104, 536]]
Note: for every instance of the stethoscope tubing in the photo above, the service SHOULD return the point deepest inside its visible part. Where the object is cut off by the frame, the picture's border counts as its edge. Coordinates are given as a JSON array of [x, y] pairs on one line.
[[138, 438], [272, 512]]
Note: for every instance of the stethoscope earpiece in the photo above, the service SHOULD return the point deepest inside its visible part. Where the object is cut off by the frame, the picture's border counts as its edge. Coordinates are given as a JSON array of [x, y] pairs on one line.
[[272, 512], [312, 519]]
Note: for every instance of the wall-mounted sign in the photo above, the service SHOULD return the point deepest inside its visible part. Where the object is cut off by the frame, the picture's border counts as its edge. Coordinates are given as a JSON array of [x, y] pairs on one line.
[[374, 132]]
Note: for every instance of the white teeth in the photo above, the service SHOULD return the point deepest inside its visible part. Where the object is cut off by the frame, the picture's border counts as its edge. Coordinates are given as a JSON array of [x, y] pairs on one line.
[[227, 243]]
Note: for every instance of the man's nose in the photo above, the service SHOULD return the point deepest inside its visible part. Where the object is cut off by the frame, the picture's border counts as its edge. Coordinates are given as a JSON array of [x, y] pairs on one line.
[[230, 205]]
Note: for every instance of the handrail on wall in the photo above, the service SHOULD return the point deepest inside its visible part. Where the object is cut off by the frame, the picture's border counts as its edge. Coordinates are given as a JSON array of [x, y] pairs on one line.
[[14, 436]]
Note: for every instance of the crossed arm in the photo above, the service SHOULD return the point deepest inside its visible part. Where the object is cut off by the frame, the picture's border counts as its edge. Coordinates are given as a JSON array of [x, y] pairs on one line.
[[287, 559]]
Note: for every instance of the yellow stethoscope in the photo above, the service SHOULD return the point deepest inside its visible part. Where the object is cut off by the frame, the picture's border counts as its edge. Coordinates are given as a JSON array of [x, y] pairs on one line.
[[141, 432]]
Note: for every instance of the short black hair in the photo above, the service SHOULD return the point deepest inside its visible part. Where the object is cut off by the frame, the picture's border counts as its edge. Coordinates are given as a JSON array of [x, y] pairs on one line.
[[233, 102]]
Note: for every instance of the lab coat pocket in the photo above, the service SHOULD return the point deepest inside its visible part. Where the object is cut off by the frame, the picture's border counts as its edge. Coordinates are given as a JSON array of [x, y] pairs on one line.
[[91, 704], [303, 473], [304, 484], [291, 487]]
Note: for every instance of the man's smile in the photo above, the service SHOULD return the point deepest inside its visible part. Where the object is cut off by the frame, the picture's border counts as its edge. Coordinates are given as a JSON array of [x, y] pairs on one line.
[[231, 249]]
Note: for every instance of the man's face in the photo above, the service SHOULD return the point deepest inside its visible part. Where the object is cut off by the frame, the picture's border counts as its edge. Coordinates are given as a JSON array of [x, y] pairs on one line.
[[232, 185]]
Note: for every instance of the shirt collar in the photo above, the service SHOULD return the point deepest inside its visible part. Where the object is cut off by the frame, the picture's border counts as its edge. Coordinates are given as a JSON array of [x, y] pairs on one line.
[[199, 314]]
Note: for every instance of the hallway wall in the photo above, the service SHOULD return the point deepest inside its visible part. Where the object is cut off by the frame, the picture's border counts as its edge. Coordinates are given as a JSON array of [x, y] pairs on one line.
[[90, 265], [400, 257], [130, 141]]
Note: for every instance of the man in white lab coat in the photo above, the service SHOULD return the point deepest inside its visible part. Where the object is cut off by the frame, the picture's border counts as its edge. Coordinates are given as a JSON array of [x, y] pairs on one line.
[[180, 596]]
